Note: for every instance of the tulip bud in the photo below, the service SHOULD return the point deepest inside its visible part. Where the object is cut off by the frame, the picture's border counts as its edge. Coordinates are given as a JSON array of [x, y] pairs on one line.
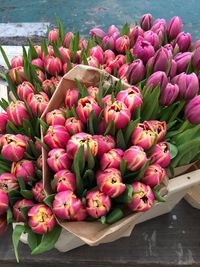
[[143, 136], [107, 100], [71, 97], [111, 159], [97, 52], [74, 126], [159, 127], [143, 49], [56, 136], [115, 64], [38, 62], [38, 103], [40, 75], [66, 205], [65, 54], [108, 42], [53, 65], [121, 74], [38, 192], [136, 71], [173, 69], [17, 112], [112, 29], [119, 113], [196, 59], [135, 158], [105, 143], [3, 225], [17, 61], [195, 45], [55, 117], [68, 37], [122, 44], [169, 94], [188, 85], [41, 219], [13, 147], [4, 202], [160, 60], [152, 38], [159, 24], [109, 55], [131, 97], [58, 159], [39, 162], [93, 91], [161, 154], [24, 90], [146, 22], [18, 209], [182, 60], [81, 139], [38, 147], [23, 168], [53, 35], [65, 67], [174, 27], [85, 106], [158, 77], [143, 200], [80, 215], [8, 182], [3, 122], [98, 204], [192, 110], [38, 50], [64, 180], [183, 40], [17, 75], [109, 182], [97, 32], [135, 32], [154, 175]]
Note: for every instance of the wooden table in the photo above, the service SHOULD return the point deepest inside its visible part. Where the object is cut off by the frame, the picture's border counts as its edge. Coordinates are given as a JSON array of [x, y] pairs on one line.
[[169, 240]]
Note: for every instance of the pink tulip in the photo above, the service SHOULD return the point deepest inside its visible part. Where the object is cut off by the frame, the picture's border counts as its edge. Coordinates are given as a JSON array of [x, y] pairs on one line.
[[92, 62], [121, 74], [79, 139], [111, 159], [56, 136], [58, 159], [105, 143], [41, 219], [136, 71], [110, 183], [143, 49], [119, 113], [143, 200], [13, 147], [169, 94], [66, 205], [38, 147], [109, 55], [159, 62], [17, 209], [131, 97], [65, 67], [116, 63], [97, 52], [38, 62], [135, 32], [80, 215], [24, 90], [74, 126], [159, 127], [195, 45], [68, 37], [48, 87], [183, 40], [112, 29], [154, 175], [97, 32], [17, 112], [71, 97], [146, 22], [93, 91], [64, 180], [192, 110], [158, 77], [38, 192], [3, 122], [152, 38], [8, 182], [161, 154], [3, 225], [40, 75], [173, 69], [85, 106], [107, 100], [65, 54], [17, 61], [38, 103], [98, 204], [39, 162], [83, 43], [4, 202], [174, 27], [55, 117], [38, 50], [188, 85], [159, 24], [108, 42], [122, 44], [17, 75], [196, 59], [182, 60], [135, 158], [23, 168], [78, 57], [53, 65], [53, 35]]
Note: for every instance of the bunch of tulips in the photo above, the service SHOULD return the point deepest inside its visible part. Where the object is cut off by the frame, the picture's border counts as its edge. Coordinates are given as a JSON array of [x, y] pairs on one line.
[[108, 147]]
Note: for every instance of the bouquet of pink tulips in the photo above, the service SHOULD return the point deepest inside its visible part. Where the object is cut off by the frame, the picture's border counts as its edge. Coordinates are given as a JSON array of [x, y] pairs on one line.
[[107, 145]]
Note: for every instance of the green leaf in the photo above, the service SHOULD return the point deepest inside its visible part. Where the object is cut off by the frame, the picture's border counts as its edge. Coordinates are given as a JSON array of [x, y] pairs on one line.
[[44, 125], [186, 135], [33, 240], [91, 121], [27, 194], [129, 130], [56, 51], [173, 150], [114, 216], [9, 217], [19, 229], [49, 200], [33, 149], [90, 158], [12, 86], [120, 140], [143, 169], [126, 197], [44, 47], [122, 167], [5, 57], [125, 29], [42, 144], [48, 241], [118, 87], [61, 29], [14, 195], [110, 128], [77, 169], [176, 112], [32, 50], [158, 197], [21, 183]]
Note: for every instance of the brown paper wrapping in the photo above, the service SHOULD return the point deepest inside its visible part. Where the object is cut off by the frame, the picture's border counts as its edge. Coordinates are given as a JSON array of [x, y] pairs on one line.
[[92, 233]]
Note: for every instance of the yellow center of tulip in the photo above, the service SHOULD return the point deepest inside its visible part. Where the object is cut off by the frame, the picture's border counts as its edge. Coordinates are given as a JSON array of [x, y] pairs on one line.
[[42, 216]]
